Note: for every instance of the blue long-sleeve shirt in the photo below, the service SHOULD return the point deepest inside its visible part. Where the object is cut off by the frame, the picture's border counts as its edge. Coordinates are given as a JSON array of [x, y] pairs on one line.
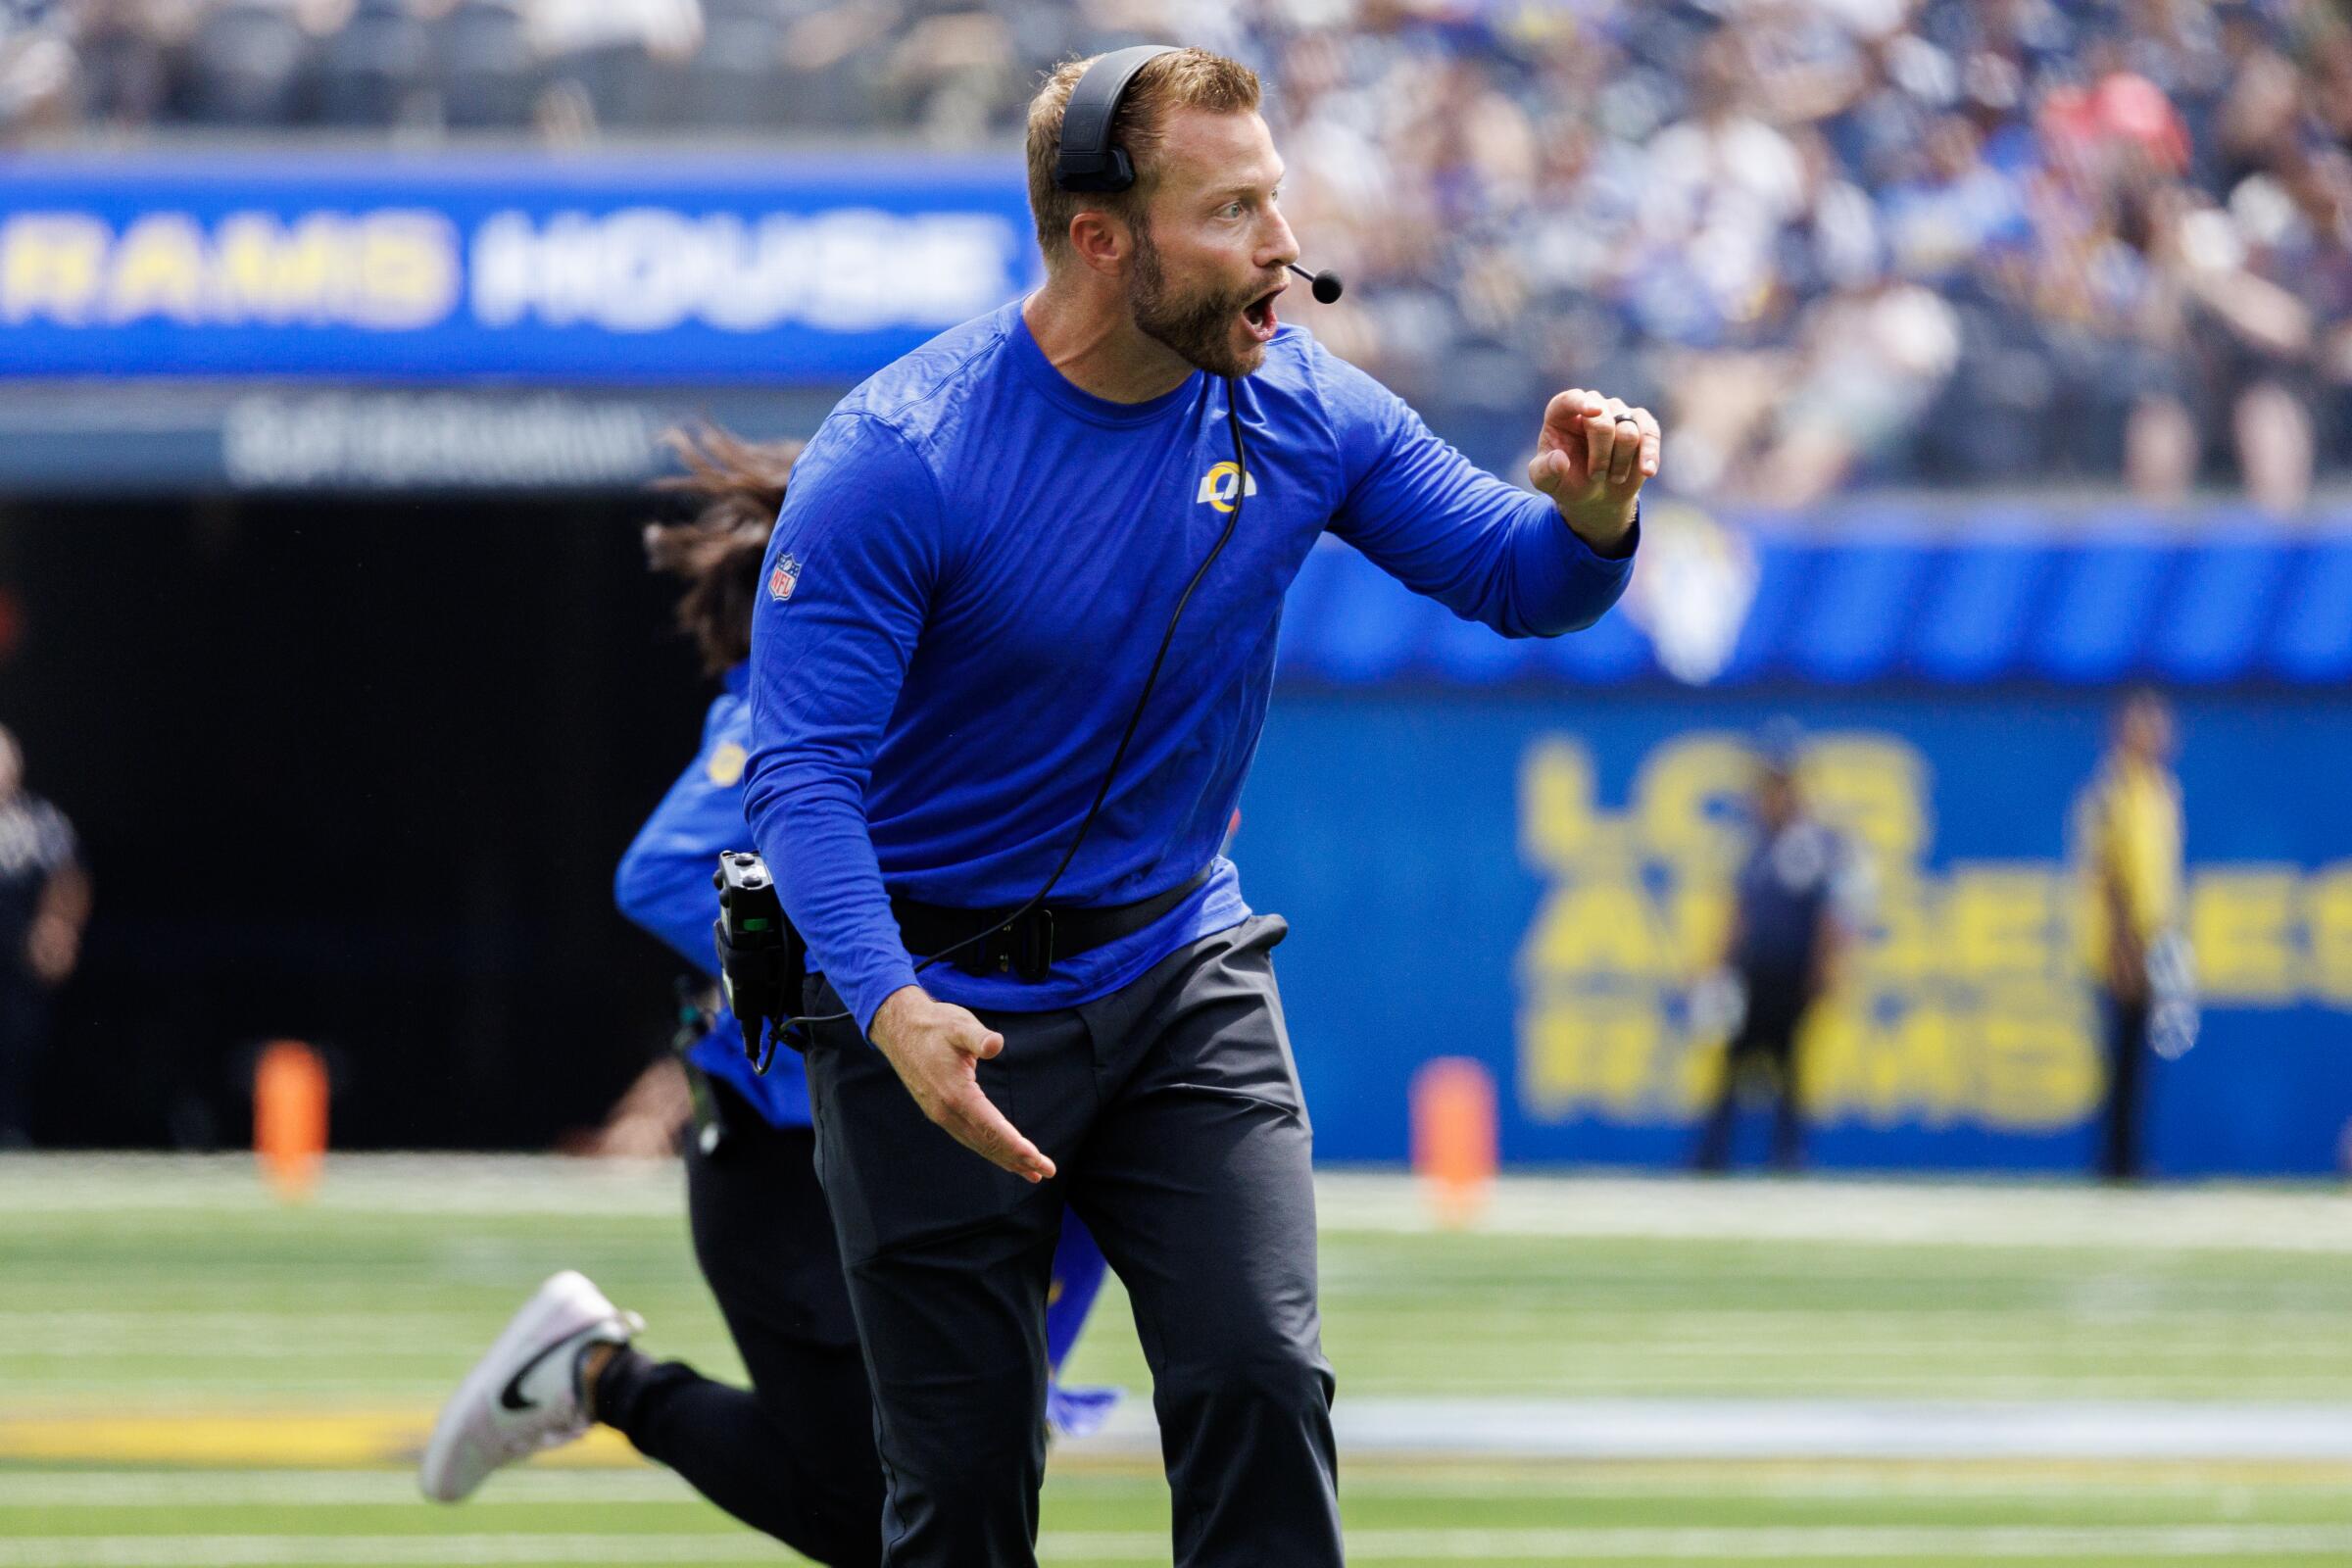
[[974, 566]]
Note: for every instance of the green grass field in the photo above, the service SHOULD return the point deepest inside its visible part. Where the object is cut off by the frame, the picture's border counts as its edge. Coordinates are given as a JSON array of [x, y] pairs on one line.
[[193, 1374]]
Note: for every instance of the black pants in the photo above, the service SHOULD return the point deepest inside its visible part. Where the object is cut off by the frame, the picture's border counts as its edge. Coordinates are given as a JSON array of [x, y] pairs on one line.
[[1173, 1111], [1766, 1041], [793, 1454], [2127, 1080], [23, 1034]]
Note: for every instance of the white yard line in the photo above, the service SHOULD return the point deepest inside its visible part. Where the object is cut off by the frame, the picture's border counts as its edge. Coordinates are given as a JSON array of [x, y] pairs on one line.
[[520, 1185], [1906, 1213], [537, 1487], [425, 1551], [1805, 1428], [1973, 1214], [1783, 1544], [1903, 1542], [325, 1489]]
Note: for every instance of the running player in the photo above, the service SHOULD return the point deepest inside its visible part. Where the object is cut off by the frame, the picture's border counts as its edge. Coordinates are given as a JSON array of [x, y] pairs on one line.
[[793, 1454]]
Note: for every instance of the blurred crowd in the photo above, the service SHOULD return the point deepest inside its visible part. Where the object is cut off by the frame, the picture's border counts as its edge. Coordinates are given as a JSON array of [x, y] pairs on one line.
[[1902, 241]]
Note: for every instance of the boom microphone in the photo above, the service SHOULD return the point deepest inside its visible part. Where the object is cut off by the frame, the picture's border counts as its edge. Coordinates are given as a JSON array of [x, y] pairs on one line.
[[1326, 284]]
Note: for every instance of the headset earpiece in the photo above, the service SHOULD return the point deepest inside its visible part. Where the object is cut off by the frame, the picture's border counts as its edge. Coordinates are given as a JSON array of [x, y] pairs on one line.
[[1089, 161]]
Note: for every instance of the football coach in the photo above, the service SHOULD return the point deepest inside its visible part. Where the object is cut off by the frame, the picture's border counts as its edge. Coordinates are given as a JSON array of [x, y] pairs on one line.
[[1009, 661]]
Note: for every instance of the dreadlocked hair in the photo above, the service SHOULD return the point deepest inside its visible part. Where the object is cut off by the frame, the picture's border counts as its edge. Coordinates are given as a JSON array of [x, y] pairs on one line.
[[740, 485]]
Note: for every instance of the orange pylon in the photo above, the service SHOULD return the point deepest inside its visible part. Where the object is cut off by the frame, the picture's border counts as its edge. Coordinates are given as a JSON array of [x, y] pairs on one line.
[[289, 1116], [1457, 1145]]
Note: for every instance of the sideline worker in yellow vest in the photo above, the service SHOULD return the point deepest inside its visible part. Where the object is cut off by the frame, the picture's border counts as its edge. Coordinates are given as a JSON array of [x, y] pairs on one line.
[[2128, 824]]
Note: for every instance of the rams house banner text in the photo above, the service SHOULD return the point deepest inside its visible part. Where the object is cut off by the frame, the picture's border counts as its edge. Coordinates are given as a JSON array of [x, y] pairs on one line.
[[613, 269]]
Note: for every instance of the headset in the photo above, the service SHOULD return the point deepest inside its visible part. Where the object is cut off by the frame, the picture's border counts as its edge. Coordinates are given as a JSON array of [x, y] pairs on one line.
[[1088, 161]]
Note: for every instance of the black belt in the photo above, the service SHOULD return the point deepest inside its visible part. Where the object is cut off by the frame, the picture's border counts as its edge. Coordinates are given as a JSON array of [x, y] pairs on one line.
[[1033, 944]]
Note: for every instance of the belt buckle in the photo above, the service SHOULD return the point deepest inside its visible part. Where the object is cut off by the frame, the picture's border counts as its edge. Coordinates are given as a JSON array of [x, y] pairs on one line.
[[1029, 946]]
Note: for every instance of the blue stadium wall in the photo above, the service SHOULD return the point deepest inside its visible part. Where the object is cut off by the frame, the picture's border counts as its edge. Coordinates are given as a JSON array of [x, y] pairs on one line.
[[1519, 853]]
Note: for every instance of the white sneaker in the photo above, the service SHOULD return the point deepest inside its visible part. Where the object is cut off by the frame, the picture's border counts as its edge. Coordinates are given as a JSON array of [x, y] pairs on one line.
[[525, 1394]]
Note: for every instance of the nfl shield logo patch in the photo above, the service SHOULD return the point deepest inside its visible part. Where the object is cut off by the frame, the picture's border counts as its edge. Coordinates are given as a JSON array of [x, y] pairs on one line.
[[784, 579]]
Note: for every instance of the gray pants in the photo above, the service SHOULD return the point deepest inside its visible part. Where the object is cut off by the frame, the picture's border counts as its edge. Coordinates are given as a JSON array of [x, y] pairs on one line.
[[1172, 1111]]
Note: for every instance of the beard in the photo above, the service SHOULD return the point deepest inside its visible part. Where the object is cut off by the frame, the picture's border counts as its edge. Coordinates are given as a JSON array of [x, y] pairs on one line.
[[1196, 325]]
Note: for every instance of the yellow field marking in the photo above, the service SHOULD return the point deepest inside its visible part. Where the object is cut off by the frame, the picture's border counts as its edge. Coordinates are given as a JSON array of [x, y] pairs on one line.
[[340, 1440]]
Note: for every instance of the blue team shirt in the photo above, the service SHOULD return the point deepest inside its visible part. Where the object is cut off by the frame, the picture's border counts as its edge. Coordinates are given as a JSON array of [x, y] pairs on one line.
[[663, 884], [974, 566]]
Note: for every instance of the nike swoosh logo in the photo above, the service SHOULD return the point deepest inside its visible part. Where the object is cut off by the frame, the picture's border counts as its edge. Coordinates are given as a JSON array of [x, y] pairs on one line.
[[511, 1397]]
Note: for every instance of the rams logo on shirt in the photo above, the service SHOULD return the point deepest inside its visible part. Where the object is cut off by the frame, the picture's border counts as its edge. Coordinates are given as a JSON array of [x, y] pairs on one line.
[[1218, 484]]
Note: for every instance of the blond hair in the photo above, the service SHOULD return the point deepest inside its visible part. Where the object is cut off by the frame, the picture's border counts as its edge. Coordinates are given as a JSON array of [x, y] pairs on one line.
[[1189, 79]]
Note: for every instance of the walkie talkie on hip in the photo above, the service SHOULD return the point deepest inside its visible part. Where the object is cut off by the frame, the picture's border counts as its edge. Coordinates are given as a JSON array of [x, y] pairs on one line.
[[762, 959]]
